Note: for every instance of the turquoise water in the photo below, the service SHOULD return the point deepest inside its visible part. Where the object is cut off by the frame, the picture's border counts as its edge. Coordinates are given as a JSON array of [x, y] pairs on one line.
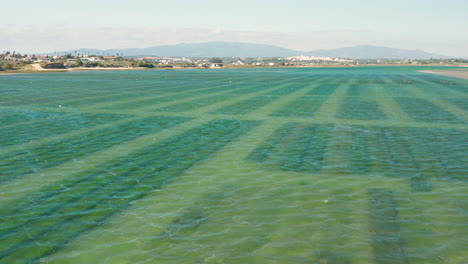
[[325, 165]]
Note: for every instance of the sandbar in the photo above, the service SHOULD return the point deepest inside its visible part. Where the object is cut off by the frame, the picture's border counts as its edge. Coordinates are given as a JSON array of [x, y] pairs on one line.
[[463, 74]]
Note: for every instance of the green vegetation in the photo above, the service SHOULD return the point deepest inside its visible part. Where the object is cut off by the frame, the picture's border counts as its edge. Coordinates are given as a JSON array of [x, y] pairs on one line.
[[143, 64], [78, 63], [216, 60], [54, 65], [92, 64], [18, 62]]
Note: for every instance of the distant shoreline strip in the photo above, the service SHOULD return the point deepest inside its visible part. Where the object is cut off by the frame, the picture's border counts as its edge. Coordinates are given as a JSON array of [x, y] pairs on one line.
[[463, 74]]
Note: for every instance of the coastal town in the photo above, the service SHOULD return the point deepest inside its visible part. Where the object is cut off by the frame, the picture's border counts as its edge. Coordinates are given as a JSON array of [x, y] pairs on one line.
[[13, 61]]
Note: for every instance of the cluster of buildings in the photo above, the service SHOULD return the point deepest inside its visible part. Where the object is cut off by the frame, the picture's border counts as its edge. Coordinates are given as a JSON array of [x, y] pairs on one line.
[[18, 57], [170, 60], [165, 60], [313, 58], [71, 59], [176, 60], [7, 56]]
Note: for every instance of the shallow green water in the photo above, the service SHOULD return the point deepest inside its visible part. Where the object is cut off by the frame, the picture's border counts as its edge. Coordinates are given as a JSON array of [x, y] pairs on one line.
[[361, 165]]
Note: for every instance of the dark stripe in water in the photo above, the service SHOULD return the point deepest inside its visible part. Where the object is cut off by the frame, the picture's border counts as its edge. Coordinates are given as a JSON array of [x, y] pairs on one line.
[[59, 151], [402, 160], [14, 116], [302, 106], [147, 102], [196, 103], [68, 212], [268, 147], [359, 90], [56, 125], [296, 148], [445, 149], [460, 102], [287, 90], [324, 89], [387, 243], [424, 111], [360, 156], [245, 106], [360, 109]]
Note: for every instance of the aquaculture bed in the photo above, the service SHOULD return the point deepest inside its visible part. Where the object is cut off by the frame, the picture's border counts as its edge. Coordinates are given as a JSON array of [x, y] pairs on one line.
[[320, 165]]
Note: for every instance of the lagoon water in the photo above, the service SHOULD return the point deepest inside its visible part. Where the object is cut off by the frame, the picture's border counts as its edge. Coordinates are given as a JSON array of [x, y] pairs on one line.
[[325, 165]]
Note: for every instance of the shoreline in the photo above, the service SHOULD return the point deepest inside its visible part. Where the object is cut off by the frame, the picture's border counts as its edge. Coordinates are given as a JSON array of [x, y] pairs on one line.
[[452, 73], [461, 74], [34, 70]]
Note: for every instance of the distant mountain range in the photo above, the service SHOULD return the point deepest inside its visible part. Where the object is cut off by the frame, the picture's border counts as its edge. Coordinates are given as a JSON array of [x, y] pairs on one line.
[[209, 49], [376, 52], [236, 49]]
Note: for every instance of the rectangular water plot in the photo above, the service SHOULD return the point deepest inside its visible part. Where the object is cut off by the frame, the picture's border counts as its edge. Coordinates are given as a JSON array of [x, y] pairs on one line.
[[196, 103], [422, 110], [301, 107], [170, 187], [252, 88], [443, 152], [459, 102], [286, 90], [324, 89], [399, 91], [245, 106], [90, 102], [56, 152], [360, 90], [89, 199], [446, 82], [360, 109], [41, 128], [387, 151], [153, 102], [295, 147], [15, 116], [387, 242]]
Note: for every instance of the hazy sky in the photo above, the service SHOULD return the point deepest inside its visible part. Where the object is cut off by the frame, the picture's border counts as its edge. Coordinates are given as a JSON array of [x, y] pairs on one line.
[[52, 25]]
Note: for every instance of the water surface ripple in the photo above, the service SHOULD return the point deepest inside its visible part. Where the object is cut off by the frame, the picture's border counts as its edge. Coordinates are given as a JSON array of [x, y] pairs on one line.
[[320, 165]]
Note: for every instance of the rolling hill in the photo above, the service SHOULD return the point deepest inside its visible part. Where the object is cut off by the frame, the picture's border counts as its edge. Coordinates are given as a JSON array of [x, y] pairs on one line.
[[237, 49], [375, 52]]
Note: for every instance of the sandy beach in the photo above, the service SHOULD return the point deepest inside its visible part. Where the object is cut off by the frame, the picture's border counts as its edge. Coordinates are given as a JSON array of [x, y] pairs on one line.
[[463, 74], [4, 73], [36, 68]]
